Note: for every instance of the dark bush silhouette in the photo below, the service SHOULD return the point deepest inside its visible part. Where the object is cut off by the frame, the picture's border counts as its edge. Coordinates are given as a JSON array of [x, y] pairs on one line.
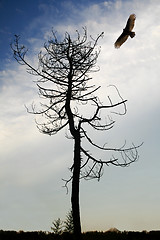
[[94, 235]]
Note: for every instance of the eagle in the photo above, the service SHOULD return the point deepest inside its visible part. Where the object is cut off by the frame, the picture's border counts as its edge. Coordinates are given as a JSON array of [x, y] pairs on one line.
[[127, 31]]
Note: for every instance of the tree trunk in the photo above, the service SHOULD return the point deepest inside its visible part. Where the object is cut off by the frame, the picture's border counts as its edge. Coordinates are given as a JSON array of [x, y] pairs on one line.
[[75, 188]]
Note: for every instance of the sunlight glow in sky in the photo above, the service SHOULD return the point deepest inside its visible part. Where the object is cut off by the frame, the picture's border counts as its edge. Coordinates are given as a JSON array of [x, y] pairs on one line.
[[32, 165]]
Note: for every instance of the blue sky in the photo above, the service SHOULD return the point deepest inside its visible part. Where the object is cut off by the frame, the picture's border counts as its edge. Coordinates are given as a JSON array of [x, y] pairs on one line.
[[33, 165], [27, 17]]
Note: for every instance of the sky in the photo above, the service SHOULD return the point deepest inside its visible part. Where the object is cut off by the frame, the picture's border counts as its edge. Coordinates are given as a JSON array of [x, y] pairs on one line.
[[32, 165]]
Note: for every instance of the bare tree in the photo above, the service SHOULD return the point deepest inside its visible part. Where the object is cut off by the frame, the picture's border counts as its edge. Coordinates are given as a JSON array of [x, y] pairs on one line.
[[65, 83]]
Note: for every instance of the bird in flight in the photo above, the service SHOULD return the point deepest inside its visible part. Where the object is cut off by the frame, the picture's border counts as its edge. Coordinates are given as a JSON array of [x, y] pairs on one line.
[[127, 31]]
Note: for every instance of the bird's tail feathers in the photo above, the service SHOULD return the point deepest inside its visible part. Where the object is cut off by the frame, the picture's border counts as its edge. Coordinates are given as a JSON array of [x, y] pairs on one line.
[[132, 34]]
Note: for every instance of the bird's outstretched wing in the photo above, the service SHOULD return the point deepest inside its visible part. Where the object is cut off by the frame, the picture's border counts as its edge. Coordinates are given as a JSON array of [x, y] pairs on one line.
[[122, 38], [130, 22], [127, 31]]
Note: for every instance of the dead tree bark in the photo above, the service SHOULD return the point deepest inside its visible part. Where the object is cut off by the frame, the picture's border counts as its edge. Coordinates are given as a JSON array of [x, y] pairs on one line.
[[75, 187], [77, 159]]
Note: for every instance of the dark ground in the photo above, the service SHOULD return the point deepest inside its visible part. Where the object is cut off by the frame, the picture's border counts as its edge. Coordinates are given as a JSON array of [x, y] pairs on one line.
[[109, 235]]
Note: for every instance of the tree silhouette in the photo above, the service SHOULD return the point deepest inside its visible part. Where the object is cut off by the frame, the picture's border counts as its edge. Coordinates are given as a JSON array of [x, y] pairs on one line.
[[68, 223], [71, 102], [57, 227]]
